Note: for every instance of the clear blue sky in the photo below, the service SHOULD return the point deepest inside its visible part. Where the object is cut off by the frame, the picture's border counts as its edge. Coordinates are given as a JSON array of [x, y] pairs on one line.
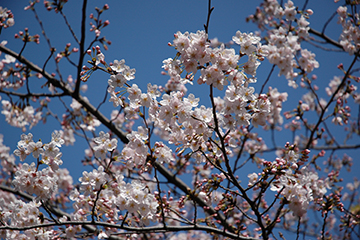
[[140, 31]]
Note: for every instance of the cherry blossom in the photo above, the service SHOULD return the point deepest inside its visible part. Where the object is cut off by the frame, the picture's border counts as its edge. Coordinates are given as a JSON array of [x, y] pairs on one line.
[[199, 155]]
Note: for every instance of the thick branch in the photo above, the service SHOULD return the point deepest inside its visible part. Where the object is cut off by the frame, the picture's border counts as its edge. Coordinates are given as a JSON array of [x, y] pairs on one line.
[[81, 50], [28, 95], [136, 229], [326, 38], [34, 67]]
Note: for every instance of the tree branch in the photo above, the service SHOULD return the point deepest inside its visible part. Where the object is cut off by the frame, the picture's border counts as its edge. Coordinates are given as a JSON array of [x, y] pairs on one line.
[[81, 50], [326, 38]]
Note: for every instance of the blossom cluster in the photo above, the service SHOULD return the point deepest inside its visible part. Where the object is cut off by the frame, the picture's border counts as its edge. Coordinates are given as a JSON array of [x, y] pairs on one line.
[[309, 102], [218, 65], [123, 73], [21, 214], [7, 160], [298, 185], [43, 183], [110, 195], [89, 122], [135, 197], [276, 99], [300, 189], [350, 36], [120, 74], [6, 18], [284, 41], [135, 152], [180, 119], [20, 117], [104, 144]]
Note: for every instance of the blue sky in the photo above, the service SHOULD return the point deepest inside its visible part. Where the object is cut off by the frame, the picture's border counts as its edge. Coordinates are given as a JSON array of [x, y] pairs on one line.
[[140, 31]]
